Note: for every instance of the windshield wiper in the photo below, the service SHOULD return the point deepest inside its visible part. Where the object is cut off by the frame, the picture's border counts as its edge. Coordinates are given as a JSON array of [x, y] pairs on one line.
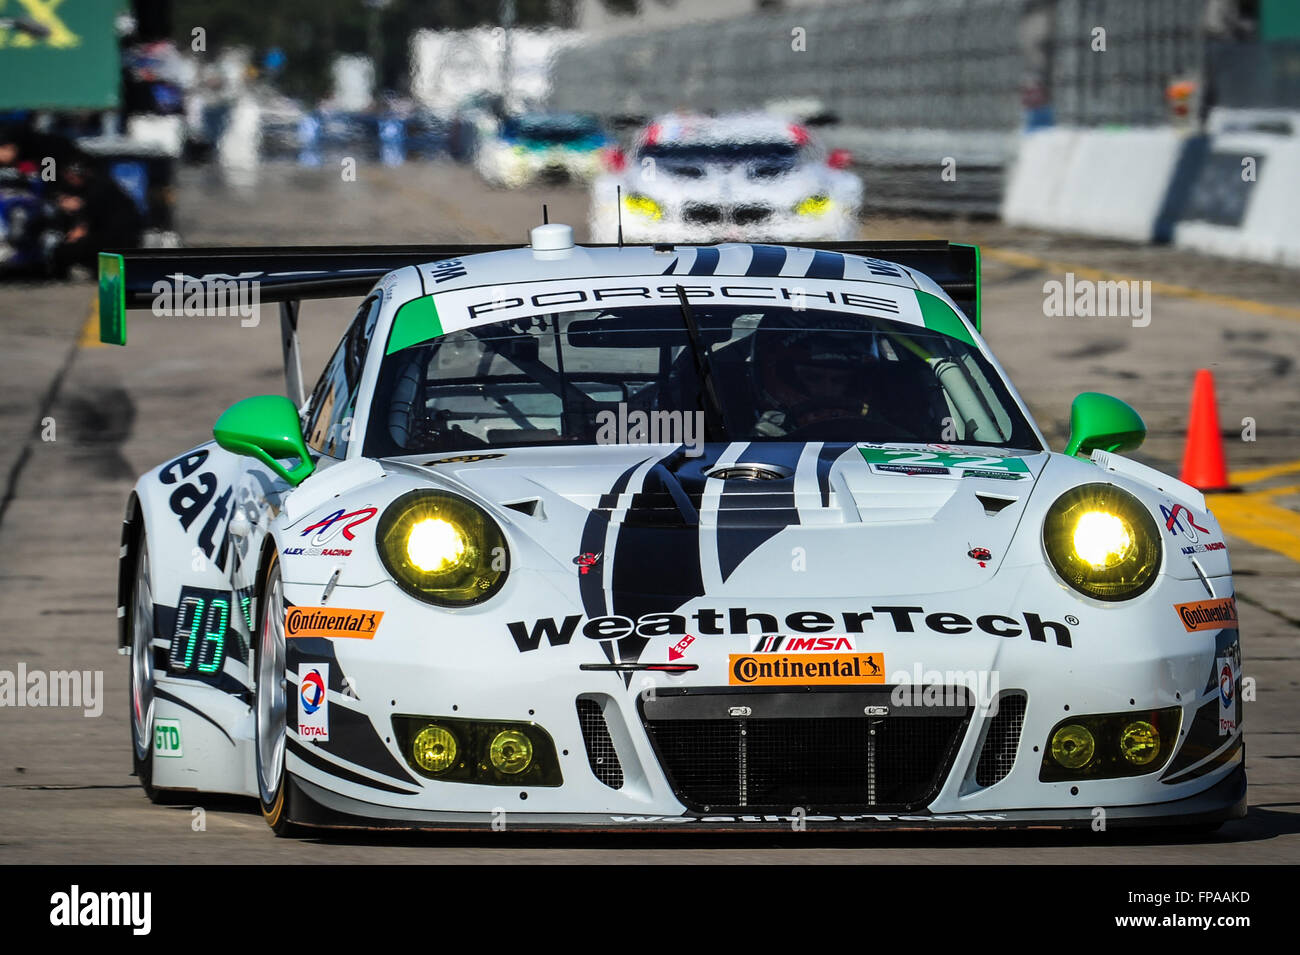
[[715, 428]]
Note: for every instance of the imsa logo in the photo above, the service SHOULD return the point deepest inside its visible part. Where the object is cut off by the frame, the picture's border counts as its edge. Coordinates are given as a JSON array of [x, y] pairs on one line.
[[774, 643]]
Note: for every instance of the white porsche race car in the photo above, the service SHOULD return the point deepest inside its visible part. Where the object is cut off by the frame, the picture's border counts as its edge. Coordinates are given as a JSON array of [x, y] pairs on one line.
[[750, 176], [696, 537]]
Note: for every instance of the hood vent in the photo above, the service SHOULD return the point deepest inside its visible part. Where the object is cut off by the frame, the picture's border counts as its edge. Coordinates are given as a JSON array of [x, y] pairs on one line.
[[994, 503], [532, 507], [751, 472]]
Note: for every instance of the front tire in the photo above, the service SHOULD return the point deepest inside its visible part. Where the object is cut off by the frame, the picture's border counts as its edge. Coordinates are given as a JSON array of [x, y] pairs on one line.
[[140, 674], [269, 708]]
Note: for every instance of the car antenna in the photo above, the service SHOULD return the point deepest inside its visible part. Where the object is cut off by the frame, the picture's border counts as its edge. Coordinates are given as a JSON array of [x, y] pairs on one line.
[[618, 203], [546, 219]]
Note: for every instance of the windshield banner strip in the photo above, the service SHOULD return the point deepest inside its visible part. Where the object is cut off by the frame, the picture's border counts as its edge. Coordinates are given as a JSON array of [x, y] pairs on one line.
[[459, 309]]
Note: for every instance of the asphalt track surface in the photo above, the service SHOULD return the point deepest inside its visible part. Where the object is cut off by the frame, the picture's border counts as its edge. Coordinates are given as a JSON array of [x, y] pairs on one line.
[[66, 794]]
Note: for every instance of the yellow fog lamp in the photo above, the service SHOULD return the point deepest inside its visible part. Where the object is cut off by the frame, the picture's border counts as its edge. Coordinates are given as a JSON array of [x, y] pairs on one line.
[[434, 749], [511, 752], [1073, 746], [1139, 743]]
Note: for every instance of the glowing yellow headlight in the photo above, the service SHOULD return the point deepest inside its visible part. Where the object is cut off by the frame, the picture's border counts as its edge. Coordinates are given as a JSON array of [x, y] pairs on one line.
[[435, 545], [1102, 541], [511, 752], [643, 206], [813, 206], [1073, 746], [442, 548], [434, 749]]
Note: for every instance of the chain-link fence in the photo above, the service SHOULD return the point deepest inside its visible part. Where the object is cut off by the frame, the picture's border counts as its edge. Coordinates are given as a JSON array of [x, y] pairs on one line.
[[910, 81]]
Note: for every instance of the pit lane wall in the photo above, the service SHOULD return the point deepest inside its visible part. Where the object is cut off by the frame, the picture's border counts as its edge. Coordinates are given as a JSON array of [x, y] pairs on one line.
[[1231, 191]]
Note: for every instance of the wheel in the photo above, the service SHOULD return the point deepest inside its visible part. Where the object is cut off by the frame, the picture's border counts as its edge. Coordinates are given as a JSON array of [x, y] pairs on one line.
[[269, 724], [141, 628]]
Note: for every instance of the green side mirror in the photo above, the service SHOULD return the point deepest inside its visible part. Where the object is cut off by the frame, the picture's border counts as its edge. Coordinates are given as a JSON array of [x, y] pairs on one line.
[[1100, 422], [266, 428]]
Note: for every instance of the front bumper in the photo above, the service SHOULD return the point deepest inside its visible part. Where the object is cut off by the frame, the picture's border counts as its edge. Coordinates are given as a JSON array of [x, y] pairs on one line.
[[467, 667], [314, 805]]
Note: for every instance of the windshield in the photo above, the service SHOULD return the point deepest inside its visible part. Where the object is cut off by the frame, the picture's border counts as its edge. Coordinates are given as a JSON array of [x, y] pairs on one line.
[[551, 130], [761, 158], [778, 374]]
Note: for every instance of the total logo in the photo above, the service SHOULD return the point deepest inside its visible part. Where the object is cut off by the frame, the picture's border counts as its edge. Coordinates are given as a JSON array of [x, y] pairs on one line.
[[1227, 697], [339, 522], [313, 701], [313, 692]]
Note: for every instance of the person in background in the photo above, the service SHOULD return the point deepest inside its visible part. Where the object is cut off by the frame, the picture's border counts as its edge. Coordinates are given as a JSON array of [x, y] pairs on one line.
[[94, 215]]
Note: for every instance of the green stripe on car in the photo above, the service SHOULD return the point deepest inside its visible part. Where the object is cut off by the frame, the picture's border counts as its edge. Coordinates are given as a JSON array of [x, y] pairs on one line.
[[939, 317], [415, 322]]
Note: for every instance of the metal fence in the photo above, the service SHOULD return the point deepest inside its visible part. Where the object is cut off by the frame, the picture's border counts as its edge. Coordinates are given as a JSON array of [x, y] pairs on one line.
[[911, 81], [1148, 43]]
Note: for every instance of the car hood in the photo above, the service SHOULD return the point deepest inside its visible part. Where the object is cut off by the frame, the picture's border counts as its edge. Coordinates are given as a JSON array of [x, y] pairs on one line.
[[751, 520]]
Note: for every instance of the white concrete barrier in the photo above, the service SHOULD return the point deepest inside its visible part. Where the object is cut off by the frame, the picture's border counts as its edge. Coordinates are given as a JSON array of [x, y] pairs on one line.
[[1037, 178], [1107, 183], [1117, 180], [1233, 215]]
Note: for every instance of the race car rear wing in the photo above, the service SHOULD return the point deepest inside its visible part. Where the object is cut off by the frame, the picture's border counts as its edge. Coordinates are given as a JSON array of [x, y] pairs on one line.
[[290, 274]]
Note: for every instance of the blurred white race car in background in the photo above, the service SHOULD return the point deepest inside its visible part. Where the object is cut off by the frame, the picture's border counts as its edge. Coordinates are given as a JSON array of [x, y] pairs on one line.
[[549, 147], [752, 176]]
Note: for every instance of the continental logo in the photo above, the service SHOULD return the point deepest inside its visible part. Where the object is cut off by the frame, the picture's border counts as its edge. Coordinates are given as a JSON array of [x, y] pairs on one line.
[[1208, 614], [331, 622], [741, 622], [807, 669]]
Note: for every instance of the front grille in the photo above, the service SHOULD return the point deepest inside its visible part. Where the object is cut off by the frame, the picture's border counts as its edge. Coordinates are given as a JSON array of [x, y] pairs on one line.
[[700, 213], [601, 755], [810, 750], [1002, 740], [750, 214]]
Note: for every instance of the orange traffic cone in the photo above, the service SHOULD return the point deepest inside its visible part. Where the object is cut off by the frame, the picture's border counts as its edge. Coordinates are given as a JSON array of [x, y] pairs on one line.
[[1204, 465]]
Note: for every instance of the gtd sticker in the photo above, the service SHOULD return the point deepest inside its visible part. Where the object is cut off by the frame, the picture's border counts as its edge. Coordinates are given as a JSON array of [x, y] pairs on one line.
[[167, 738], [313, 701]]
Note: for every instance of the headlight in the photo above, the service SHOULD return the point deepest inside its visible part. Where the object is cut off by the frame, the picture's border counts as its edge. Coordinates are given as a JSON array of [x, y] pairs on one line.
[[442, 549], [643, 206], [813, 206], [1102, 542]]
